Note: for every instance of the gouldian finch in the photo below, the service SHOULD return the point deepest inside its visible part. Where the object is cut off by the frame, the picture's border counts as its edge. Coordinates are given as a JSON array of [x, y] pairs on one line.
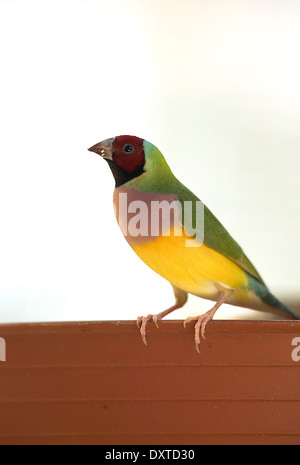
[[177, 236]]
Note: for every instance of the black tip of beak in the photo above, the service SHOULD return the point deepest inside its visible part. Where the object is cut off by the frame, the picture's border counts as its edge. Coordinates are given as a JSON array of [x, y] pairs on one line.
[[104, 148], [94, 148]]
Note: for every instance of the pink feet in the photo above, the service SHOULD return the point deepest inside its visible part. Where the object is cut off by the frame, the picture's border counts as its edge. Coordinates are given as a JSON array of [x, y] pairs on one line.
[[181, 298], [142, 322], [201, 322]]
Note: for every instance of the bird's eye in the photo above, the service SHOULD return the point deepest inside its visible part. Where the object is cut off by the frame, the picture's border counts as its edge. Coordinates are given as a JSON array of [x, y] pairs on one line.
[[128, 148]]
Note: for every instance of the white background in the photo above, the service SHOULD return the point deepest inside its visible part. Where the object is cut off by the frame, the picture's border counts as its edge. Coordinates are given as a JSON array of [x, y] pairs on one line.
[[214, 84]]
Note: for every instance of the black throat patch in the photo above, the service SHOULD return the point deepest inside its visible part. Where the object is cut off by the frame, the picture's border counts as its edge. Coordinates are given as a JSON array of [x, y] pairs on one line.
[[121, 176]]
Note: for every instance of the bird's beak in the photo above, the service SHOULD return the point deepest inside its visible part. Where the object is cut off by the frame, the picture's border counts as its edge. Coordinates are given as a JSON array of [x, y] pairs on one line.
[[104, 148]]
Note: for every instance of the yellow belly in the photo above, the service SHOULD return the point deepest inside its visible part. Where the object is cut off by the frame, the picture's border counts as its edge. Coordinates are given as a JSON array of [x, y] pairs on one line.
[[195, 270]]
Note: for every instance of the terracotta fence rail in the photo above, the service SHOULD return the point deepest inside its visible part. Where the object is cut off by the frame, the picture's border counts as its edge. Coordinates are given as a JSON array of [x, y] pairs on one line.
[[96, 383]]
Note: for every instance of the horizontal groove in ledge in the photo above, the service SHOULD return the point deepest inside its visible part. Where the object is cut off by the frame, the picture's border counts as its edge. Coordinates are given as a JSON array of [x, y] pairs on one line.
[[7, 366], [141, 400], [164, 433]]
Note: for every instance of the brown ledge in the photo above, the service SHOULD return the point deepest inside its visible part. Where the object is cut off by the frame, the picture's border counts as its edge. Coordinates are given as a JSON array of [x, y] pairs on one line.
[[96, 383]]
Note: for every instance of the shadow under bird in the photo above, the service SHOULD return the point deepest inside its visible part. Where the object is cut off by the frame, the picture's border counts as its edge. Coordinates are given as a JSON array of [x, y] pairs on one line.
[[213, 267]]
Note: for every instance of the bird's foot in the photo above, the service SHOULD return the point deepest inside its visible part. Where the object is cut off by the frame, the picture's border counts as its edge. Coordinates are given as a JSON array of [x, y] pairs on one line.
[[181, 298], [201, 322], [142, 323]]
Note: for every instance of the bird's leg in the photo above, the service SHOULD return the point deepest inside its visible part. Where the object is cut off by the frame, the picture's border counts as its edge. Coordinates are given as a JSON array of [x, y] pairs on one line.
[[180, 300], [202, 320]]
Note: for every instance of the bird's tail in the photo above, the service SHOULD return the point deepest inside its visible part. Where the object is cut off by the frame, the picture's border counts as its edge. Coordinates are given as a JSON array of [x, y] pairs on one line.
[[268, 298]]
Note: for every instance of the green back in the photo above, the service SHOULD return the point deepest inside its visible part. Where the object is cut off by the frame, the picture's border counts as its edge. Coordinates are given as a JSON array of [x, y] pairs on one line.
[[215, 235]]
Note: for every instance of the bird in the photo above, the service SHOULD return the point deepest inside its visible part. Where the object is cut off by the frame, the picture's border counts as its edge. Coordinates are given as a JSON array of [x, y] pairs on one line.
[[178, 237]]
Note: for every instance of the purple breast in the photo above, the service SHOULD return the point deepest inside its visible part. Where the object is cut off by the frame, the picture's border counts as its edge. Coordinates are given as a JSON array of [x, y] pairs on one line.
[[143, 216]]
